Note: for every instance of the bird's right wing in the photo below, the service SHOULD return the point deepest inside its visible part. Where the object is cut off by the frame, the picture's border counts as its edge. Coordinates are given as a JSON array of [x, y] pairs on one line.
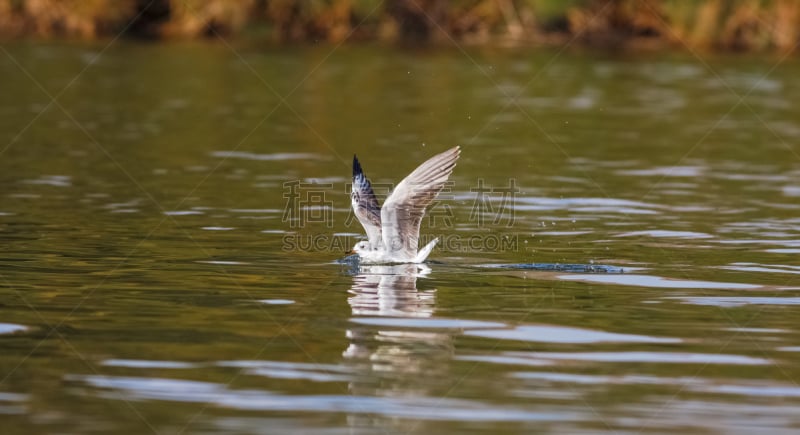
[[402, 212]]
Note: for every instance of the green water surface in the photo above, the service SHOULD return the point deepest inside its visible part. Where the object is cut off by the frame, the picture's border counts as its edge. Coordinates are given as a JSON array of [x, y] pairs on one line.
[[171, 217]]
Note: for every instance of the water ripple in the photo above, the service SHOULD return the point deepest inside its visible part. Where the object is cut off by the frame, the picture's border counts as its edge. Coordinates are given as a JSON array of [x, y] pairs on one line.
[[272, 156], [701, 385], [657, 282], [586, 205], [147, 364], [537, 358], [756, 267], [422, 408], [277, 301], [737, 301], [183, 212], [425, 323], [565, 334], [665, 171], [52, 180], [294, 370], [10, 328], [667, 234]]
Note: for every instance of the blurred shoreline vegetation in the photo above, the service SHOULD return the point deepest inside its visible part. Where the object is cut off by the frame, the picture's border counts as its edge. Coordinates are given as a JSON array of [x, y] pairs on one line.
[[736, 25]]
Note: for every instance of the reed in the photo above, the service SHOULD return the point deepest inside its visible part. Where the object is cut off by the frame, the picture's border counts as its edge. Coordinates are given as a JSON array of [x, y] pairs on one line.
[[55, 18], [198, 18], [741, 25]]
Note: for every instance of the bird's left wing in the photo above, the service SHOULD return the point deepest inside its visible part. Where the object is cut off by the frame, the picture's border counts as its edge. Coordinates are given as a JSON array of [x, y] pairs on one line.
[[365, 204]]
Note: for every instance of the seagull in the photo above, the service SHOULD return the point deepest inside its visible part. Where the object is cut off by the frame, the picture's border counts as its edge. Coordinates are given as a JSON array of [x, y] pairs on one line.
[[393, 230]]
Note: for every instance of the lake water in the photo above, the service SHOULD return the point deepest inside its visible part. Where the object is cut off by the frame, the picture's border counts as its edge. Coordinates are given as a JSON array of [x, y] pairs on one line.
[[172, 227]]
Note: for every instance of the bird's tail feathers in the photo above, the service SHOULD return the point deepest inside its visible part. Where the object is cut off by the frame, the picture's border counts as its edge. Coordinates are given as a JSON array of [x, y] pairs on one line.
[[424, 252]]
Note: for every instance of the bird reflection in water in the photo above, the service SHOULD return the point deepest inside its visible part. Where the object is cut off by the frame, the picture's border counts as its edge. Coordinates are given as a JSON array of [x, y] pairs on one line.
[[391, 352], [391, 290]]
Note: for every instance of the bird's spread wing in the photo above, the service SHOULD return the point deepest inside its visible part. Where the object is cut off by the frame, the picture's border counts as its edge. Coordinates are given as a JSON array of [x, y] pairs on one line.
[[403, 211], [365, 205]]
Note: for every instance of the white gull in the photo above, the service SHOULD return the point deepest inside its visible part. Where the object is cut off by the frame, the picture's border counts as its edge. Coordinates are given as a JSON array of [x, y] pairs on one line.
[[393, 230]]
